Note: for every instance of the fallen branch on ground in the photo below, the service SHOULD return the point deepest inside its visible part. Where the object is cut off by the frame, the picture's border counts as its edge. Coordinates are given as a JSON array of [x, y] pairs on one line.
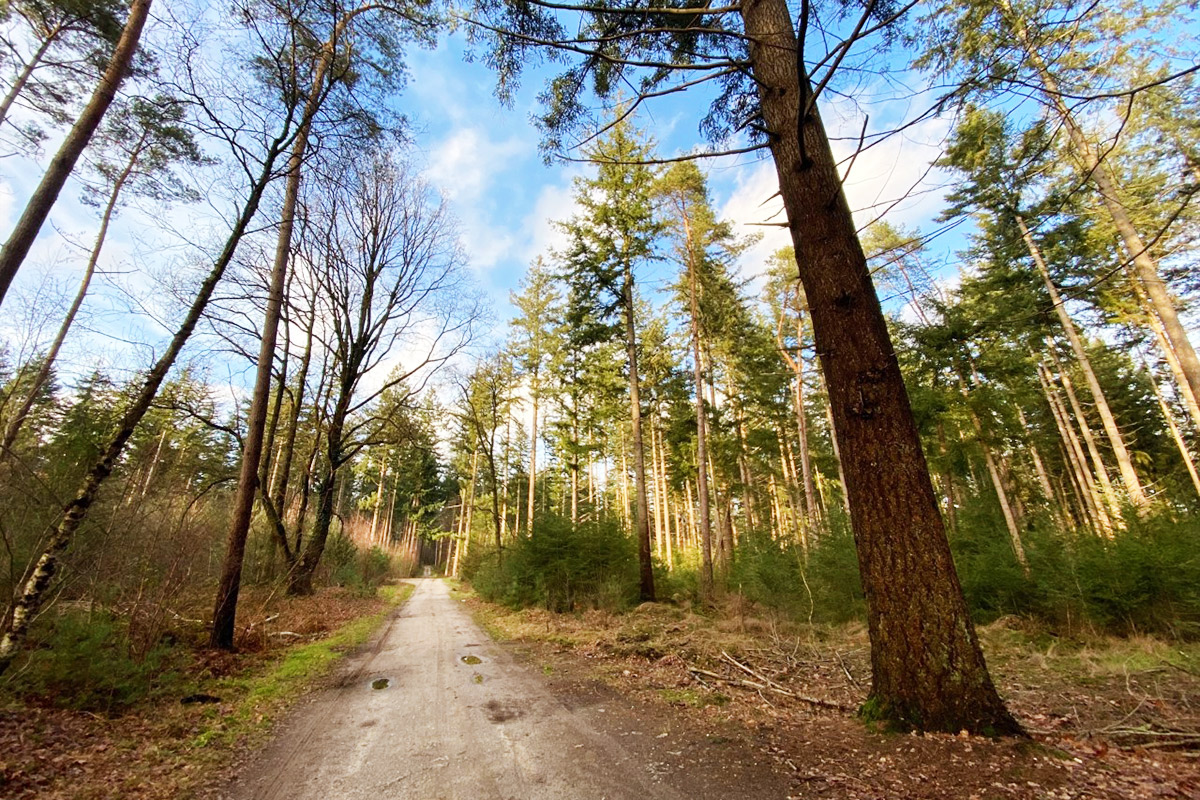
[[770, 687]]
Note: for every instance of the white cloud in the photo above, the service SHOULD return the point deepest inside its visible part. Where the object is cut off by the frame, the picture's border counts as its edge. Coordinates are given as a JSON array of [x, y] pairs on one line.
[[754, 208], [466, 164], [467, 167], [555, 203]]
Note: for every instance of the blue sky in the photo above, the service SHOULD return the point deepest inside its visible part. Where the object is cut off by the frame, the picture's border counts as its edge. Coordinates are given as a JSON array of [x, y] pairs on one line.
[[484, 157]]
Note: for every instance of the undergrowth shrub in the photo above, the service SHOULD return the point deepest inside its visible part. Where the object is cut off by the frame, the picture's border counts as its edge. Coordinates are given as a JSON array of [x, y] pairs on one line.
[[354, 568], [1144, 579], [822, 584], [83, 661], [562, 567]]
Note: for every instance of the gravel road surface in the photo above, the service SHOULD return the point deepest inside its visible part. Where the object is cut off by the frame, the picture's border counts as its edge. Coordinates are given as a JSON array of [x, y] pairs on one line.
[[453, 717]]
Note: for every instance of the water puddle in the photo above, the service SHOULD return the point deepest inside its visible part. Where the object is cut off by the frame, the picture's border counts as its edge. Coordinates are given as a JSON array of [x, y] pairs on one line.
[[381, 683], [472, 660]]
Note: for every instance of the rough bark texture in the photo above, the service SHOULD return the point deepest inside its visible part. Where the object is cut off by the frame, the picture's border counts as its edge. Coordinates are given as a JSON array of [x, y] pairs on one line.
[[928, 670], [38, 208], [225, 608]]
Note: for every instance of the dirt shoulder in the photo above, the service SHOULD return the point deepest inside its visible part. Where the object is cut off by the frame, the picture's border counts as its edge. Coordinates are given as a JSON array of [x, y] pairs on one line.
[[210, 709], [768, 705]]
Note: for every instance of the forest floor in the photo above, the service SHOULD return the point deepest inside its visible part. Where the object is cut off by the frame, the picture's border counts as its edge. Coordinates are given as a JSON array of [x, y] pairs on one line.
[[1108, 718], [204, 711]]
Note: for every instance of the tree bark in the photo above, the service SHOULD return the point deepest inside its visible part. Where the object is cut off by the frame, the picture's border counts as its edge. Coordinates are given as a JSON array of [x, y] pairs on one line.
[[1040, 469], [1089, 440], [705, 513], [1168, 353], [1176, 435], [1093, 501], [928, 670], [1010, 520], [38, 208], [533, 390], [225, 609]]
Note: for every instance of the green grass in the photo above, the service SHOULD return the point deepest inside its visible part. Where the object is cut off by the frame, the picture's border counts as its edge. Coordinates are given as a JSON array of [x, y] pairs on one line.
[[258, 698]]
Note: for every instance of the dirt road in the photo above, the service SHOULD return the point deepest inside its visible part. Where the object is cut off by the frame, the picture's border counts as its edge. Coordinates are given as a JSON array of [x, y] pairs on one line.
[[435, 709]]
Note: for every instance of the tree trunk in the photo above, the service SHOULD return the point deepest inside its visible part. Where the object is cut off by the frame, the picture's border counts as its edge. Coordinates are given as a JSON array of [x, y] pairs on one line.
[[279, 490], [1168, 353], [810, 501], [1124, 463], [1099, 174], [42, 200], [300, 578], [225, 609], [704, 514], [641, 516], [74, 512], [928, 670], [378, 498], [1040, 469], [1176, 435], [27, 71], [1083, 474], [1010, 520], [1089, 440], [532, 455], [948, 480], [13, 429]]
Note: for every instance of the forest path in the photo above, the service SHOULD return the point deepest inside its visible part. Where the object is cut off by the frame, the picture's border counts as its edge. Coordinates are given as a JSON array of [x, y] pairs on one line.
[[446, 727]]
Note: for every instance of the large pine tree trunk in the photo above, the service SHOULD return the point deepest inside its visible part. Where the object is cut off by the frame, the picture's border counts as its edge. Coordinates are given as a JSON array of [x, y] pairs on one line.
[[225, 608], [38, 208], [928, 670]]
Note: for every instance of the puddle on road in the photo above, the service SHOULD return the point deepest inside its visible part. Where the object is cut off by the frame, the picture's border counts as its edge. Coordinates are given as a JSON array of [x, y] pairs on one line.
[[381, 683], [472, 660]]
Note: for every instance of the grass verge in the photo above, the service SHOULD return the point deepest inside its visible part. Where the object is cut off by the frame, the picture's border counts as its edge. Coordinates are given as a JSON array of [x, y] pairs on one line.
[[180, 743]]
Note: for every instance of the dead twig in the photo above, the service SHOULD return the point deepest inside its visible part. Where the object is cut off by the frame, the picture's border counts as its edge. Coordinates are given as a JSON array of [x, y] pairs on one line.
[[1163, 745], [769, 686], [846, 670]]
